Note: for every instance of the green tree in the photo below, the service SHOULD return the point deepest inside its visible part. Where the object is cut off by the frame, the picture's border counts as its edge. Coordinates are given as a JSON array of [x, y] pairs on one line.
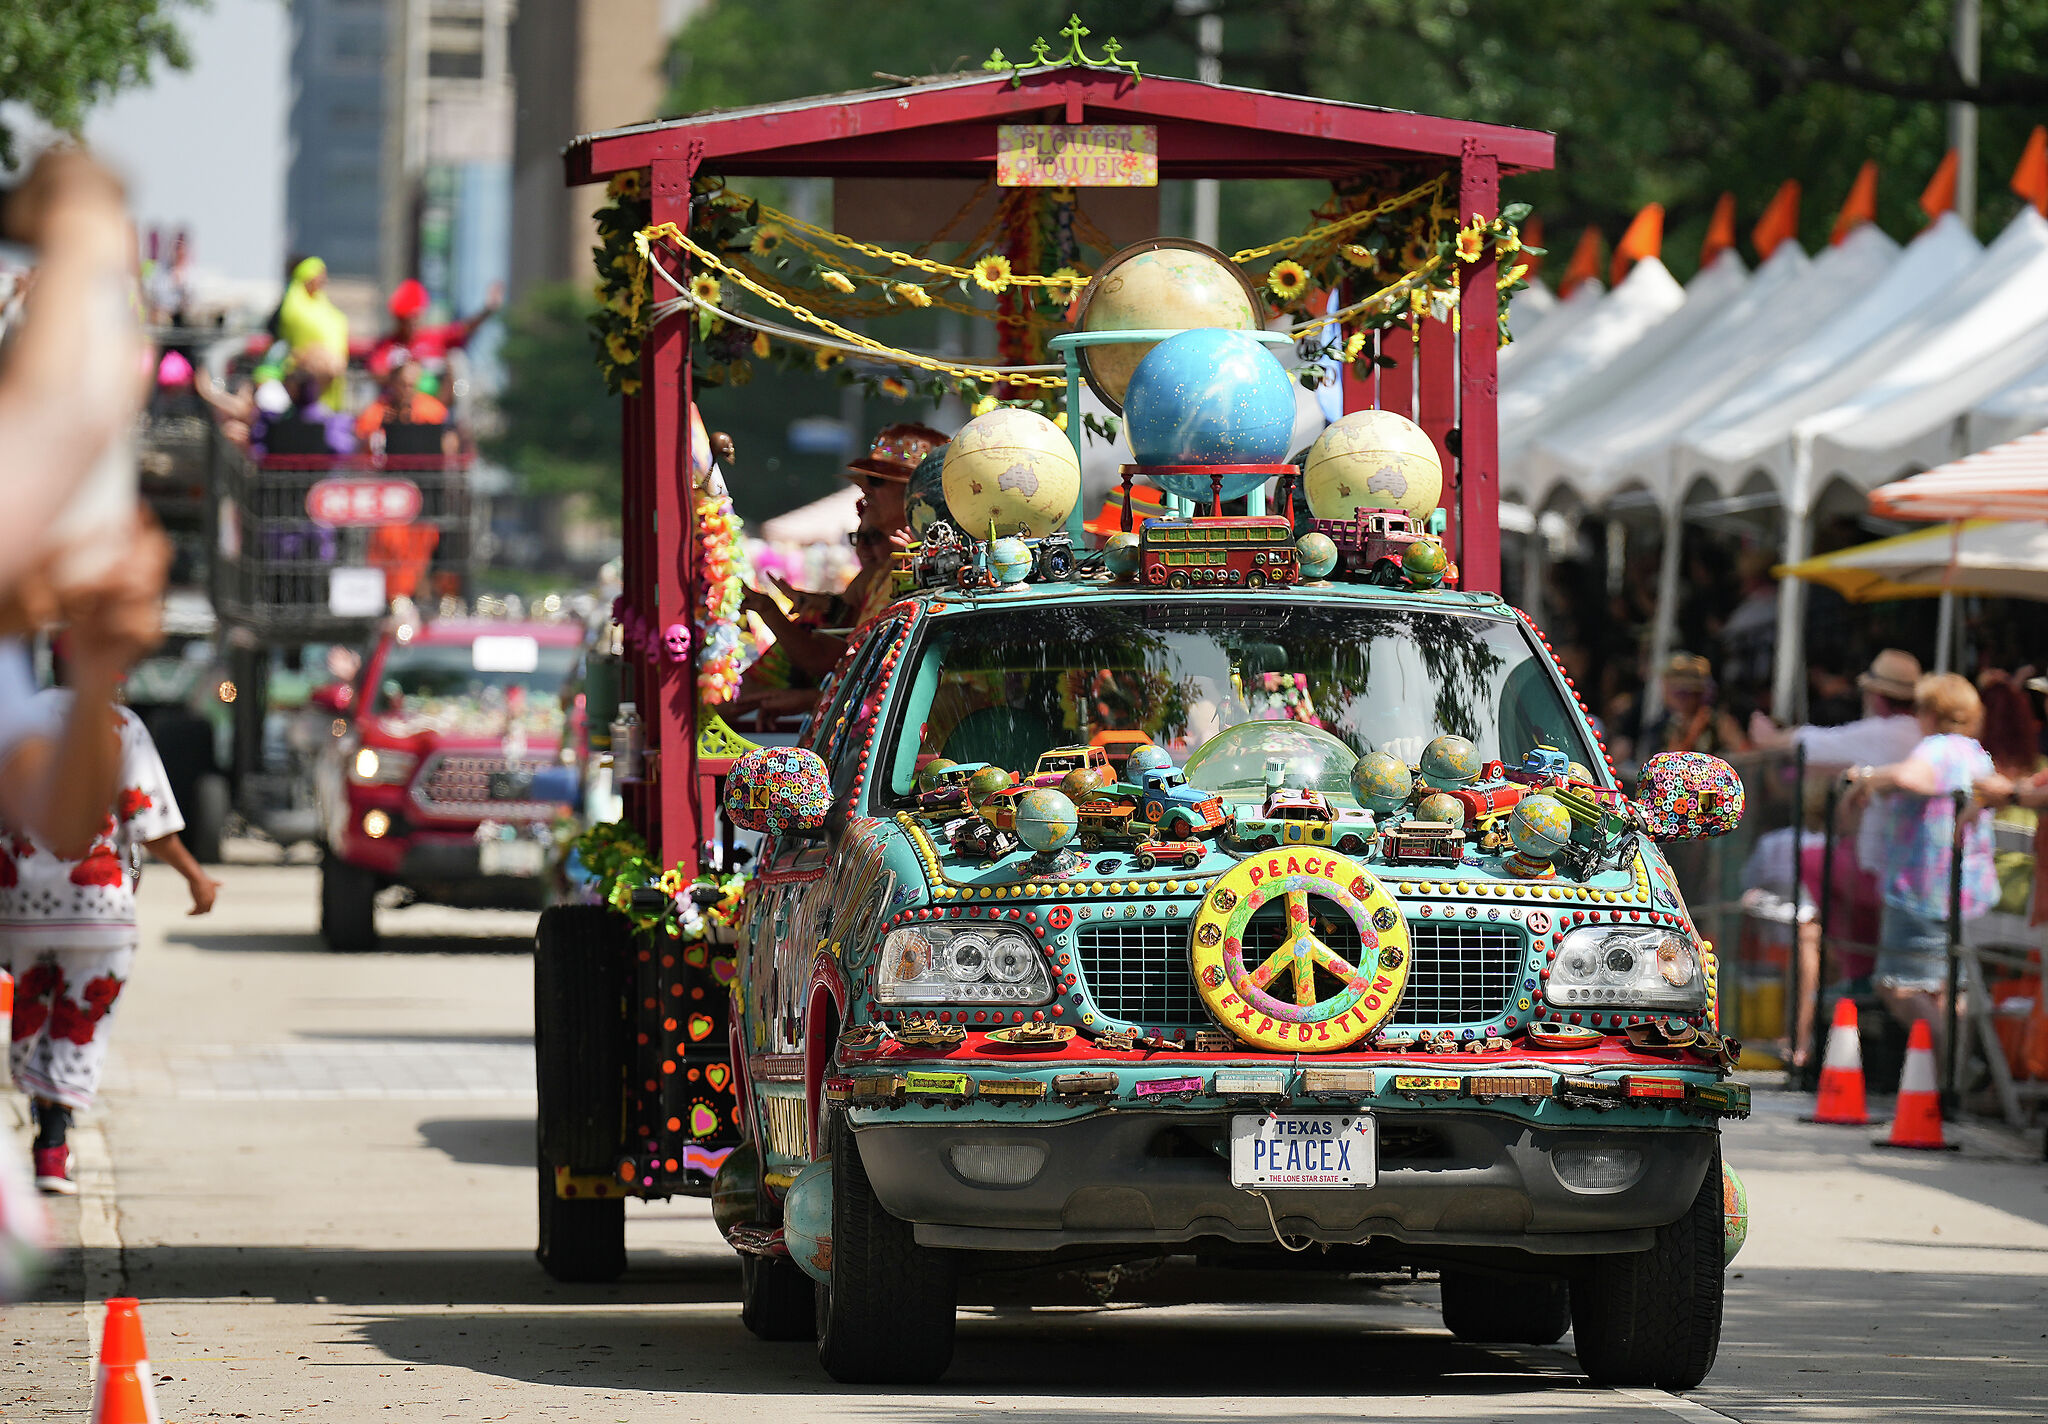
[[561, 428], [58, 58]]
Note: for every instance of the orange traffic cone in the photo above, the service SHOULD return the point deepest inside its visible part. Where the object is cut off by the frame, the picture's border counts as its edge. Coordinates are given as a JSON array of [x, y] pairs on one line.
[[126, 1393], [1917, 1122], [1841, 1073]]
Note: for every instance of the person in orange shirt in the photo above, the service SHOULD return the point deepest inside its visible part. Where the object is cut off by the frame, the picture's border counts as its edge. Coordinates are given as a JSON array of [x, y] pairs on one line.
[[401, 402]]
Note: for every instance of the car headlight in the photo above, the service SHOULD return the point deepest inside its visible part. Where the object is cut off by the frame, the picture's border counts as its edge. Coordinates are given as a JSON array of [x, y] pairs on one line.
[[372, 767], [975, 965], [1627, 967]]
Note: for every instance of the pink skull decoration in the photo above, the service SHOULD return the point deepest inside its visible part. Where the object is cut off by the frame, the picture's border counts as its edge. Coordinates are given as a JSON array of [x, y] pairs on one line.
[[676, 639]]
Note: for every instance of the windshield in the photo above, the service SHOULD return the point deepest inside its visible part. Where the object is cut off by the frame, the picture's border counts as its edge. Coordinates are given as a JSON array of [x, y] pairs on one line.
[[1228, 687], [473, 687]]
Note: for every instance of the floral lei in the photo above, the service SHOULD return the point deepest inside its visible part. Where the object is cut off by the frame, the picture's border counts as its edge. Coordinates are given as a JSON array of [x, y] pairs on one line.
[[721, 650], [618, 860]]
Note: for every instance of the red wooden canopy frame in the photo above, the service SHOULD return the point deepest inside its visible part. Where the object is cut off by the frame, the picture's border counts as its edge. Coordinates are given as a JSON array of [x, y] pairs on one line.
[[946, 128]]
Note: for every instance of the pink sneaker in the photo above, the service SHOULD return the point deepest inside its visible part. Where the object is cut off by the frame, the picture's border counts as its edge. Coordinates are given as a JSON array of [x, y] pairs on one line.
[[53, 1172]]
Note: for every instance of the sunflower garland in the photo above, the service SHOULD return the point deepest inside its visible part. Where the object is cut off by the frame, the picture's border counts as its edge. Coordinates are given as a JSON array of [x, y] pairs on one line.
[[992, 273], [617, 861]]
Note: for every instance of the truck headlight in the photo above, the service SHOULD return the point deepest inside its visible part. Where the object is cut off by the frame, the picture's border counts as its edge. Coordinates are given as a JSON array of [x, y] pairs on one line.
[[1627, 967], [371, 767], [977, 965]]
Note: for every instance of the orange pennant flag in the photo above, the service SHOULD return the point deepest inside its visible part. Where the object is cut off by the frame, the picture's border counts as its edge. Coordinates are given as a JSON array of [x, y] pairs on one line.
[[1644, 238], [2030, 179], [1860, 206], [1532, 236], [1720, 230], [1780, 222], [1939, 196], [1585, 263]]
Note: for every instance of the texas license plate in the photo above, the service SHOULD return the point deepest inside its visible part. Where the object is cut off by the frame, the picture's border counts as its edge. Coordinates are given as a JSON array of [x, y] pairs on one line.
[[1303, 1150], [520, 857]]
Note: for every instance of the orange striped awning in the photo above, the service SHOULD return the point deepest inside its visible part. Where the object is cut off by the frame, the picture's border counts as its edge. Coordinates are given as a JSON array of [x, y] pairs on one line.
[[2008, 481]]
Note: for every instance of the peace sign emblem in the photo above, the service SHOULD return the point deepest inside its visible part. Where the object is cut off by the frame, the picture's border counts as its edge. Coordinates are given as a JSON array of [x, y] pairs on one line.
[[1331, 1000]]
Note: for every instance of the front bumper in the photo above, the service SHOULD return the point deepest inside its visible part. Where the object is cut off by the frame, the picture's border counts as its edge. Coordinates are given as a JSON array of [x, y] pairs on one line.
[[1447, 1178]]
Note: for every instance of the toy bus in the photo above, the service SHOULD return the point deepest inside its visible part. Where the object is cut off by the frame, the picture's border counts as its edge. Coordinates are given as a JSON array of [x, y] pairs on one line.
[[1227, 551]]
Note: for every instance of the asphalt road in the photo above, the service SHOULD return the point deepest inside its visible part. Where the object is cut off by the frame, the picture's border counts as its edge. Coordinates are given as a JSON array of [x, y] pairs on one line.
[[316, 1172]]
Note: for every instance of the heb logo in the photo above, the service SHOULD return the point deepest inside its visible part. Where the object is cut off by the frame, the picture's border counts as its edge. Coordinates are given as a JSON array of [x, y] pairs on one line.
[[363, 503]]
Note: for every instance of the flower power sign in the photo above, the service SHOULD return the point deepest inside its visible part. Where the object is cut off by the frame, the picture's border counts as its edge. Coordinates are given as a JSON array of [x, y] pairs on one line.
[[1077, 155]]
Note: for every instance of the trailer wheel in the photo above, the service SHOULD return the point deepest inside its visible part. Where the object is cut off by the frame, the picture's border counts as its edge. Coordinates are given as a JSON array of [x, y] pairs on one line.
[[1496, 1310], [348, 905], [206, 818], [579, 1240], [777, 1300], [887, 1314], [581, 969], [1653, 1318]]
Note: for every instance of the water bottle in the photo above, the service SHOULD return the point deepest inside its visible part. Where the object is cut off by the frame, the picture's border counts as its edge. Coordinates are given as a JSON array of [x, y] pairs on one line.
[[626, 743]]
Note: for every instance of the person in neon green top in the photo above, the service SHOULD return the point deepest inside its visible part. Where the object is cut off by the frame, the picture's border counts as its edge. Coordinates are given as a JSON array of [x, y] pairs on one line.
[[308, 320]]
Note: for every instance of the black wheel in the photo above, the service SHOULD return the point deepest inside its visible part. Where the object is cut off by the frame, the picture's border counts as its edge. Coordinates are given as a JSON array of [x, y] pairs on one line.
[[580, 1240], [1507, 1310], [777, 1300], [348, 905], [1266, 842], [1350, 845], [1190, 860], [1056, 565], [581, 966], [1144, 860], [1176, 580], [1255, 579], [1091, 840], [886, 1316], [206, 818], [1653, 1318]]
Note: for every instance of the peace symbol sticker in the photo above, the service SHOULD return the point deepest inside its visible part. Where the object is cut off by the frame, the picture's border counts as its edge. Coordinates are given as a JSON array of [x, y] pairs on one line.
[[1334, 1002]]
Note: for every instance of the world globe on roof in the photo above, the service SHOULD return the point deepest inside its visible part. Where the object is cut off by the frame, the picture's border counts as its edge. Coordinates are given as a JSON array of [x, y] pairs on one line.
[[1382, 782], [1009, 560], [1448, 762], [1318, 554], [1046, 819], [1539, 827], [1010, 470], [925, 499], [1372, 459], [1209, 398], [1158, 287]]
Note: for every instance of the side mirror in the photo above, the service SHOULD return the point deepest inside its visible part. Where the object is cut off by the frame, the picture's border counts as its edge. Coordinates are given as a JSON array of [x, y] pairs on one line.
[[778, 790], [335, 697], [1688, 796]]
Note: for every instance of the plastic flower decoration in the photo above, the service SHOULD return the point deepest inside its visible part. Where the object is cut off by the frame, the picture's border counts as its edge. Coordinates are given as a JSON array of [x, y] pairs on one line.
[[992, 272], [1287, 280], [895, 386], [1353, 345], [704, 289], [767, 239], [1508, 242], [1359, 257], [619, 349], [625, 185], [1060, 419], [837, 281], [761, 347], [721, 650], [1066, 279], [912, 293], [984, 405], [1471, 243], [825, 360]]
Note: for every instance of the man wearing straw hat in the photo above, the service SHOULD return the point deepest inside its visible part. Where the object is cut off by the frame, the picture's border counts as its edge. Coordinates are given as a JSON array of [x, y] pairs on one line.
[[1885, 733]]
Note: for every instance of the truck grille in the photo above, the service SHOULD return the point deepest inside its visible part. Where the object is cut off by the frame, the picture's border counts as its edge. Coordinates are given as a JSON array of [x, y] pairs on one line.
[[1138, 973], [461, 784]]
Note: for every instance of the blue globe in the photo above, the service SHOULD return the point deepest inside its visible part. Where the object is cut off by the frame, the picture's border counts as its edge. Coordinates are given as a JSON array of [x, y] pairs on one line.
[[1318, 554], [1149, 757], [1046, 819], [1009, 560], [1209, 397], [1122, 555], [925, 499]]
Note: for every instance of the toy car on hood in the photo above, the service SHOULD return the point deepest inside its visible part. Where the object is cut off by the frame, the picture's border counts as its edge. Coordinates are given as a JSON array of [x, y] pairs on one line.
[[1292, 816]]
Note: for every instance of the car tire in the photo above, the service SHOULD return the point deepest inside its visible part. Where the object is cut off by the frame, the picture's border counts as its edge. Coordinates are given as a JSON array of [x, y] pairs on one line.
[[206, 819], [579, 1240], [1255, 580], [1266, 842], [1652, 1319], [886, 1316], [1506, 1310], [1350, 845], [1190, 861], [777, 1300], [348, 906], [1177, 580]]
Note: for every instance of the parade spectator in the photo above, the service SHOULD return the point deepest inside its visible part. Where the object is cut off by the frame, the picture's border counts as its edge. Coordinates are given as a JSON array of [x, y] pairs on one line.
[[408, 340], [67, 932], [314, 329], [1691, 718], [400, 401], [1886, 732], [1907, 834], [308, 426]]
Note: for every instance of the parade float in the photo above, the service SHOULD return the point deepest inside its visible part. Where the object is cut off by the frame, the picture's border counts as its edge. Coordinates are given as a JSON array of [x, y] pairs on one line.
[[1347, 944]]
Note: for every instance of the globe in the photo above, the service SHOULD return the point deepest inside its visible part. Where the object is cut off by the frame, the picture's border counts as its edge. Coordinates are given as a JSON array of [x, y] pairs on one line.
[[928, 775], [1440, 806], [1046, 819], [1382, 782], [1449, 761], [986, 783], [1426, 561], [1372, 459], [1150, 757], [1122, 555], [1009, 471], [925, 499], [1009, 559], [1081, 783], [1209, 398], [1734, 1214], [1167, 285], [1318, 554], [1539, 827]]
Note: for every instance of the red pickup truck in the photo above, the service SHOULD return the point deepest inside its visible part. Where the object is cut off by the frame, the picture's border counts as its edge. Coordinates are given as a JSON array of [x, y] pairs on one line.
[[450, 776]]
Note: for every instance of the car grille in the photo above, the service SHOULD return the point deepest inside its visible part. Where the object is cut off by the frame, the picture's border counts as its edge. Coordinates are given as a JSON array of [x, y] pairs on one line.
[[459, 784], [1138, 972]]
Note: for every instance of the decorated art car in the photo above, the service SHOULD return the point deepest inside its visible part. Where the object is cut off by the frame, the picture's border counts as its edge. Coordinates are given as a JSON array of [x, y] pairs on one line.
[[1503, 1062]]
